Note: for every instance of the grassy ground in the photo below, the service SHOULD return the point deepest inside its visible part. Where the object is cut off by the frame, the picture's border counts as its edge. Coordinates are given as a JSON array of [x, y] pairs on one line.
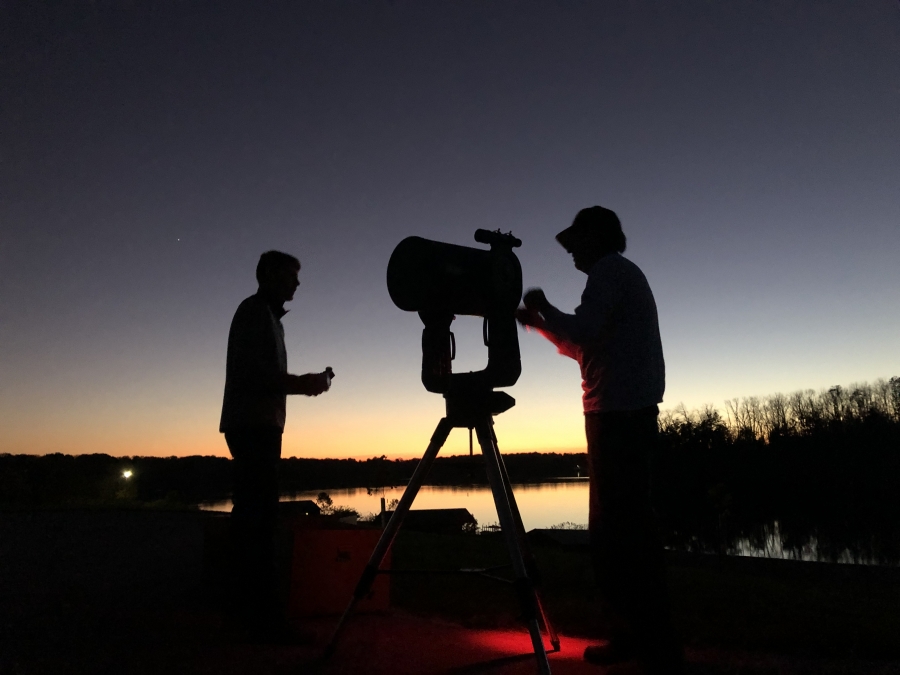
[[724, 608]]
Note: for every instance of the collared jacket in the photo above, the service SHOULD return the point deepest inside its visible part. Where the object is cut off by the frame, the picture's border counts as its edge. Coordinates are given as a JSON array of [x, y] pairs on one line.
[[614, 336], [255, 369]]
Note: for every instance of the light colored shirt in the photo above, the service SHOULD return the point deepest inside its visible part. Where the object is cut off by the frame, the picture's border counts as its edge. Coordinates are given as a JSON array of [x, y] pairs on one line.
[[255, 368], [614, 336]]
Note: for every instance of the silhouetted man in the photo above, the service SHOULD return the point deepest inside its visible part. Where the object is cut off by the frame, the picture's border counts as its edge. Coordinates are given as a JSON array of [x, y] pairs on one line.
[[257, 383], [614, 336]]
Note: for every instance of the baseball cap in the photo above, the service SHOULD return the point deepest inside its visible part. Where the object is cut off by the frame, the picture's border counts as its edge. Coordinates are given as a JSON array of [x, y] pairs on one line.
[[592, 224]]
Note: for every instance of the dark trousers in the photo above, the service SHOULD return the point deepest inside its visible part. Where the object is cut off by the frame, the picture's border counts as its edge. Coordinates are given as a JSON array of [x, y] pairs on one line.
[[256, 453], [625, 547]]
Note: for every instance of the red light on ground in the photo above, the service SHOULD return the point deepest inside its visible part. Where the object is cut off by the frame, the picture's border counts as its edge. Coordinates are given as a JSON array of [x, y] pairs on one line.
[[510, 643], [401, 644]]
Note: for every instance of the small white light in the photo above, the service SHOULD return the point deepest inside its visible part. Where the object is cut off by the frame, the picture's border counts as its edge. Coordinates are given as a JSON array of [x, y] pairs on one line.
[[126, 474]]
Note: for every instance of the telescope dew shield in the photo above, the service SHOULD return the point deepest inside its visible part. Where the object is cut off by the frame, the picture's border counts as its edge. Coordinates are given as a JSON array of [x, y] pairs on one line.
[[440, 281], [433, 277]]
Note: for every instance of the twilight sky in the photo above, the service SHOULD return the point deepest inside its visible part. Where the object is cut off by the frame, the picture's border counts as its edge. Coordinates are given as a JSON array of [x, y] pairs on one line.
[[150, 151]]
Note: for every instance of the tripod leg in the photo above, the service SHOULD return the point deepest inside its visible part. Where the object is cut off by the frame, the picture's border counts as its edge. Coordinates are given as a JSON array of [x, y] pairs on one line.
[[522, 583], [530, 563], [390, 532]]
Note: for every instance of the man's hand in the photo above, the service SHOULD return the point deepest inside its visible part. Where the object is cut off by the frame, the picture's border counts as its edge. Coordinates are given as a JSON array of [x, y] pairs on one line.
[[311, 384], [535, 300], [529, 318]]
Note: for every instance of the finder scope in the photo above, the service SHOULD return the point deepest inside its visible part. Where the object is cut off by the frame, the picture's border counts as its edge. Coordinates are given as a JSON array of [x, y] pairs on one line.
[[497, 237], [441, 281]]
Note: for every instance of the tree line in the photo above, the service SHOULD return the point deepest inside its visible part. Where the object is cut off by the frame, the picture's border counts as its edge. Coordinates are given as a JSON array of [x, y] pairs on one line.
[[821, 468], [58, 480]]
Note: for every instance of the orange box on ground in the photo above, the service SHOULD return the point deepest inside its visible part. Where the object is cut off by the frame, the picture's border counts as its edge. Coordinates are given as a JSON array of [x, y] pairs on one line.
[[326, 565]]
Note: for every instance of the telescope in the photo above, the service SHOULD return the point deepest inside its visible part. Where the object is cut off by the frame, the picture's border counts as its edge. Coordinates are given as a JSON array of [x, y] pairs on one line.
[[441, 281]]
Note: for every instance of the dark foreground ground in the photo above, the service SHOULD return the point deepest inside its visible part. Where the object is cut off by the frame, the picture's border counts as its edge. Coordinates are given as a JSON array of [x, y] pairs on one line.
[[122, 592]]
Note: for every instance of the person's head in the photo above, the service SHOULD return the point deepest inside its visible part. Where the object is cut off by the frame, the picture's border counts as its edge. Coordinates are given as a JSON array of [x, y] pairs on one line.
[[594, 233], [277, 273]]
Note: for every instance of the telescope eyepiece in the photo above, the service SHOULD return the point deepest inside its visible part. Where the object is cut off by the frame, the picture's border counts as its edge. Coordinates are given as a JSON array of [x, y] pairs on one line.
[[497, 238]]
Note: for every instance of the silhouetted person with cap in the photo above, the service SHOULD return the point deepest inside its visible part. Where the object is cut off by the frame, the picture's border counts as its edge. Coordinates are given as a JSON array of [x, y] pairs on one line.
[[257, 383], [614, 336]]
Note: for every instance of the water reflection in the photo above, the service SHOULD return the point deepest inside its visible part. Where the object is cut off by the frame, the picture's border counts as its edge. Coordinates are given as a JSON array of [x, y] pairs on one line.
[[549, 504], [541, 504]]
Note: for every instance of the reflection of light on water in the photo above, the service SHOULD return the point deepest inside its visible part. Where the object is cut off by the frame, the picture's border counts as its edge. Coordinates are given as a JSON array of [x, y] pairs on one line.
[[541, 504], [773, 547]]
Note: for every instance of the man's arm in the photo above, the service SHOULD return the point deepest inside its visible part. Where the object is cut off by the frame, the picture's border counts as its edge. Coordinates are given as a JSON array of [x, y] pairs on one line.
[[598, 304], [531, 318], [311, 384]]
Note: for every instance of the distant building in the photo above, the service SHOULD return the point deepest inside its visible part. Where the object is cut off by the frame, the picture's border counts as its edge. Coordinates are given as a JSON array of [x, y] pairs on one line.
[[440, 521]]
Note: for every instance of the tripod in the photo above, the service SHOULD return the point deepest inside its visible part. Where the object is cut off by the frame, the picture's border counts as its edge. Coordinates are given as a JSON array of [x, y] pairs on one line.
[[472, 410]]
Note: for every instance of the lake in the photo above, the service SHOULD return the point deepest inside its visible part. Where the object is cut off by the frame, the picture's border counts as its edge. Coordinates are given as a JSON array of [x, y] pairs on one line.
[[541, 504]]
